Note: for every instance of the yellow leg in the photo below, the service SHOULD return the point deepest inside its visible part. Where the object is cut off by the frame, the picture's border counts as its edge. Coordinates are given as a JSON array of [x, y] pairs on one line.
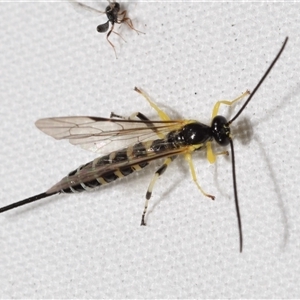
[[158, 173], [160, 113], [223, 153], [188, 157], [210, 155], [227, 102]]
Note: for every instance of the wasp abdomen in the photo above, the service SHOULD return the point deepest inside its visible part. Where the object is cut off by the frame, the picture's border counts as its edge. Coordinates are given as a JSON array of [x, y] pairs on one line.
[[76, 181]]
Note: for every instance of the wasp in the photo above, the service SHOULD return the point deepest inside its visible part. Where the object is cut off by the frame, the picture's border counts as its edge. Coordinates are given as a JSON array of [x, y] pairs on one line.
[[146, 140], [114, 16]]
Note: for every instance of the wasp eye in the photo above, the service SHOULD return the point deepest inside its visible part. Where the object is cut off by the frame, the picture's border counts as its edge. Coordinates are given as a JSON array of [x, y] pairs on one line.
[[220, 130]]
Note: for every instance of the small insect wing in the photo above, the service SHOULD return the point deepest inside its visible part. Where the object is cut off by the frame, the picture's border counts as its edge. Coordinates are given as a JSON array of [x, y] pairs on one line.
[[80, 7]]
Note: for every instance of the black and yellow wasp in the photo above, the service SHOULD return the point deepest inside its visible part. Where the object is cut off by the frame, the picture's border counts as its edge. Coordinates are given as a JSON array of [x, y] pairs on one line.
[[146, 141]]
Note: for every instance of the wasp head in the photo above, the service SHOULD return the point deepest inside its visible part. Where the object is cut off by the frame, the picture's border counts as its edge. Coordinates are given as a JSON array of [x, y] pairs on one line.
[[220, 130]]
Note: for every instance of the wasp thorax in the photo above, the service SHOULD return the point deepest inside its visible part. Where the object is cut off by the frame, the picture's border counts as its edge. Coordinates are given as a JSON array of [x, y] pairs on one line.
[[112, 9], [195, 133], [220, 130]]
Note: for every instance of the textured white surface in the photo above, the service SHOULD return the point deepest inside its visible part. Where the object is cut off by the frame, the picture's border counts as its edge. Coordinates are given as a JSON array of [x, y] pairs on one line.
[[90, 245]]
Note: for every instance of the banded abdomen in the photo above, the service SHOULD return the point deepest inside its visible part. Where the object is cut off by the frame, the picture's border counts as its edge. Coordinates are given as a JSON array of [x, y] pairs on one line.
[[110, 167]]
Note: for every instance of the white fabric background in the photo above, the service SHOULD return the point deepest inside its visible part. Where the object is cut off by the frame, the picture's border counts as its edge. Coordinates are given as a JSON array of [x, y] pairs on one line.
[[90, 245]]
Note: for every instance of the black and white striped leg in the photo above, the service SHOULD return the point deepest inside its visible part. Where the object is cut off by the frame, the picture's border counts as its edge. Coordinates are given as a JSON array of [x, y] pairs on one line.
[[163, 116], [131, 117], [138, 115], [158, 173]]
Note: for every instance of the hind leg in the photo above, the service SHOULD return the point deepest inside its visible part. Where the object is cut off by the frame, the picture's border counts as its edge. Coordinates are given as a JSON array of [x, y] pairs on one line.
[[157, 174]]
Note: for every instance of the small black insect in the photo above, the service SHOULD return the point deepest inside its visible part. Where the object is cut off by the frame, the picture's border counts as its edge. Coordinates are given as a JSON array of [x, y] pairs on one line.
[[114, 16]]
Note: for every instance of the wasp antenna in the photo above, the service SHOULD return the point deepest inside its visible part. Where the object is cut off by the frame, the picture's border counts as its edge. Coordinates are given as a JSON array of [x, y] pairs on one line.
[[236, 196], [25, 201], [260, 82], [231, 142]]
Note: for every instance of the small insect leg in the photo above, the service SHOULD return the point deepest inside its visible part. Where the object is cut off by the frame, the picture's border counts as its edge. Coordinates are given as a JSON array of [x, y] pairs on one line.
[[188, 157], [107, 37], [119, 35], [123, 16], [160, 112], [128, 21], [158, 173], [227, 102]]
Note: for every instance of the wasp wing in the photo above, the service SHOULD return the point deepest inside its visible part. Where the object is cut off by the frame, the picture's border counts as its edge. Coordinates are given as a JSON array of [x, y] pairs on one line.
[[105, 135]]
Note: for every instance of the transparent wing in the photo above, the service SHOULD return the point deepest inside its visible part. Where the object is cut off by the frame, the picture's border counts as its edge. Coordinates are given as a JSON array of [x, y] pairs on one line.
[[80, 7], [105, 135]]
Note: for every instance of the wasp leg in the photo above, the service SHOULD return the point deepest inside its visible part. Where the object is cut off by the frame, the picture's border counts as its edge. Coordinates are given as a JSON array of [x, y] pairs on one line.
[[158, 173], [222, 153], [138, 115], [210, 155], [188, 157], [160, 112], [227, 102], [131, 117], [113, 115]]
